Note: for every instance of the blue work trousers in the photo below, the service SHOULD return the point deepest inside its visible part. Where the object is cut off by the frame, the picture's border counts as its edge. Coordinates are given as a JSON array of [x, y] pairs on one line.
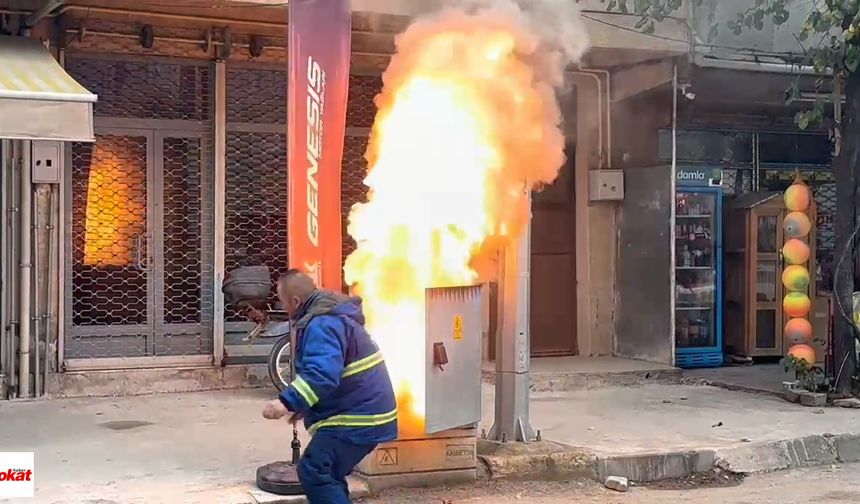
[[325, 465]]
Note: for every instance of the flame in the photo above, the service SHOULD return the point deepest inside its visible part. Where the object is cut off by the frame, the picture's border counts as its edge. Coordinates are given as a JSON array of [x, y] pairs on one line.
[[465, 127]]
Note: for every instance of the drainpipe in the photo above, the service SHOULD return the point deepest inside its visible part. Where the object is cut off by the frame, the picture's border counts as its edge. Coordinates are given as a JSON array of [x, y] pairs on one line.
[[49, 317], [44, 11], [605, 106], [24, 273], [756, 66], [11, 225], [39, 280], [606, 98]]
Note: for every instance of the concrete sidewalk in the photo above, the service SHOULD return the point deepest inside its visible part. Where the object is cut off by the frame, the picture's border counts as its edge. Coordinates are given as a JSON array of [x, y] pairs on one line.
[[657, 418], [657, 432], [189, 448], [204, 447]]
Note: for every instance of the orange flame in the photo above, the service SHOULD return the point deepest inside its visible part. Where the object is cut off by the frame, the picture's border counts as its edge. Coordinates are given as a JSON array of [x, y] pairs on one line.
[[465, 127]]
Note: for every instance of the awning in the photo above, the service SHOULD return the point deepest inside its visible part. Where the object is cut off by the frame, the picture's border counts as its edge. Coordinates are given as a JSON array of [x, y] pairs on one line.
[[38, 99]]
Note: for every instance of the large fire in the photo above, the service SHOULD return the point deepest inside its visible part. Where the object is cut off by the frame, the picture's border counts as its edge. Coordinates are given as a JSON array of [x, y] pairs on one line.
[[467, 124]]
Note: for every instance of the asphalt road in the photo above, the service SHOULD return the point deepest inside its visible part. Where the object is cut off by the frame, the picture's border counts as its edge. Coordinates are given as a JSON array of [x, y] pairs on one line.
[[837, 484]]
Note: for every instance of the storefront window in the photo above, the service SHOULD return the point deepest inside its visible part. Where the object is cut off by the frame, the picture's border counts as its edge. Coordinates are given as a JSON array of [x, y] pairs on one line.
[[709, 146]]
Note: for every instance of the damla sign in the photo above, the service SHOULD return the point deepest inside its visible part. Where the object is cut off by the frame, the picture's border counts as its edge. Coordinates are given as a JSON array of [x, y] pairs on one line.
[[699, 176]]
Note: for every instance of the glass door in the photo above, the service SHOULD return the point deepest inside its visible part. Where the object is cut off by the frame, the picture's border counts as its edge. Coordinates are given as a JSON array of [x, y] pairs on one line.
[[767, 289], [696, 270]]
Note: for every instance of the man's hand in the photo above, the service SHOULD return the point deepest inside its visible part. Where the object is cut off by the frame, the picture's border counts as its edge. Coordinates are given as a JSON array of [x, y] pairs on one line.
[[294, 418], [275, 410]]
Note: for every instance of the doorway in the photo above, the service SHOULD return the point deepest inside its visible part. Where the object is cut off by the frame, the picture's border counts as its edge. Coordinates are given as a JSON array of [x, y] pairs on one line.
[[138, 262], [553, 266]]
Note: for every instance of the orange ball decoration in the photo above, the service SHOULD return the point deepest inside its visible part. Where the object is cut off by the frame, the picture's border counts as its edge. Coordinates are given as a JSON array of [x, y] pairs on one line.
[[803, 352], [796, 304], [796, 225], [798, 331], [797, 197], [796, 251], [795, 278]]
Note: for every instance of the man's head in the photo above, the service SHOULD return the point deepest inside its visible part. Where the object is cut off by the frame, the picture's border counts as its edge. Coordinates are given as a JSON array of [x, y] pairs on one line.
[[294, 288]]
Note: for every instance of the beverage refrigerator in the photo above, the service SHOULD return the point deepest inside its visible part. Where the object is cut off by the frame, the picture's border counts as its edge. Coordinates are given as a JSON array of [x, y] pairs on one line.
[[698, 276]]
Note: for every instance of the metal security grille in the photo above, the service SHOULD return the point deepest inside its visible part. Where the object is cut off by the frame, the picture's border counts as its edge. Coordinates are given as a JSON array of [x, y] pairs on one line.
[[352, 185], [361, 110], [109, 218], [360, 113], [186, 296], [255, 204], [824, 192], [256, 96], [256, 173], [182, 231], [140, 258], [256, 186], [737, 181], [145, 89]]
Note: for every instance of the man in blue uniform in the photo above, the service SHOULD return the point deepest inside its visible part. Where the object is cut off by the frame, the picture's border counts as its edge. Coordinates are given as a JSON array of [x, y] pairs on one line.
[[341, 388]]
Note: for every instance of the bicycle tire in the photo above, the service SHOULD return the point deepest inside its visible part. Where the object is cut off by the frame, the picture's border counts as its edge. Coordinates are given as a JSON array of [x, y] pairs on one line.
[[274, 374]]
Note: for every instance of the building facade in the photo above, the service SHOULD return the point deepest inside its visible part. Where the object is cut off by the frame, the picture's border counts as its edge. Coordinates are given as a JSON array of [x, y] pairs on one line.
[[187, 180]]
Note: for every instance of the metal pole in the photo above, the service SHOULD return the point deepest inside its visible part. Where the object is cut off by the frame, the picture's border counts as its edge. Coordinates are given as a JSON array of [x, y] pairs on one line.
[[512, 345], [673, 174], [24, 269], [296, 445], [220, 147], [5, 339]]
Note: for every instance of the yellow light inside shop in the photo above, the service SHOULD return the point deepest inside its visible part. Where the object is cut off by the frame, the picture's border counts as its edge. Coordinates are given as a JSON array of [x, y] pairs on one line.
[[115, 210]]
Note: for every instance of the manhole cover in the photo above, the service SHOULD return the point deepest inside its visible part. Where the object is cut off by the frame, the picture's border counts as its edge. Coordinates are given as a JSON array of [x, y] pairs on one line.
[[125, 424]]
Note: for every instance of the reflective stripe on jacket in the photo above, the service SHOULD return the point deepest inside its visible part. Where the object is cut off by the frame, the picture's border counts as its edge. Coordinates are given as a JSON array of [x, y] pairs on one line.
[[341, 382]]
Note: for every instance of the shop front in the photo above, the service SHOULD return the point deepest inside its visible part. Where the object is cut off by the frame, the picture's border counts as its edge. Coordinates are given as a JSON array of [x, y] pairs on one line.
[[746, 143], [42, 109]]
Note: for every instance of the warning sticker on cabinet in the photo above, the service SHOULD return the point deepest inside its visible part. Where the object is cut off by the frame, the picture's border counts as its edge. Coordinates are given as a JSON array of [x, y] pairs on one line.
[[386, 457], [458, 328]]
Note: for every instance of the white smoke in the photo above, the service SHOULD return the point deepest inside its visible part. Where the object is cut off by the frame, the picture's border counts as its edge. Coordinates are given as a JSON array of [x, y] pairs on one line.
[[560, 34]]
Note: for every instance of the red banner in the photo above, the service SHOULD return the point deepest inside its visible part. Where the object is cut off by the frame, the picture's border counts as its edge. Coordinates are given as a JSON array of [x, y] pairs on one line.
[[319, 51]]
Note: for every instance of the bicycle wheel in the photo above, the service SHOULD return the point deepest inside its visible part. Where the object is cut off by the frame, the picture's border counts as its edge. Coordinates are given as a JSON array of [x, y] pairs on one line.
[[279, 363]]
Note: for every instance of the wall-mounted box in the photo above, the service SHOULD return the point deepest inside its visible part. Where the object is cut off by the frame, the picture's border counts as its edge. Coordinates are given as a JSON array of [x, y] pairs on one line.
[[605, 185], [46, 162]]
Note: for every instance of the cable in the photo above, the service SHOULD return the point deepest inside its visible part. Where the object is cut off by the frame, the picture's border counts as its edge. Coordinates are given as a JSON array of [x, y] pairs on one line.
[[633, 30], [691, 42]]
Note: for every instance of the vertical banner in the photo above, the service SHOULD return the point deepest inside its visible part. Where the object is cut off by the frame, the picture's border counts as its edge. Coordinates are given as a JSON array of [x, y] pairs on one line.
[[319, 52]]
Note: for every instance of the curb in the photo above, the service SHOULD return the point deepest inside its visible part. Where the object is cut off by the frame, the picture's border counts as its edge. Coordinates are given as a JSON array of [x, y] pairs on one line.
[[537, 461], [552, 460], [730, 386]]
